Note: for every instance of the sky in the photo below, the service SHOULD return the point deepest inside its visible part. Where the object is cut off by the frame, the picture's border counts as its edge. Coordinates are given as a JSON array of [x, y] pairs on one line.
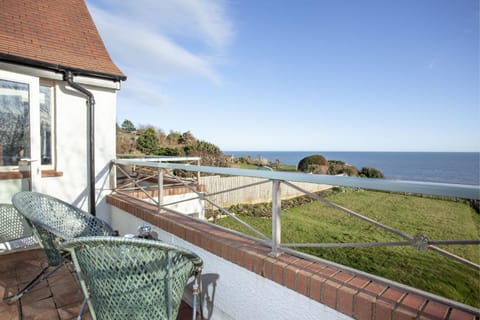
[[304, 75]]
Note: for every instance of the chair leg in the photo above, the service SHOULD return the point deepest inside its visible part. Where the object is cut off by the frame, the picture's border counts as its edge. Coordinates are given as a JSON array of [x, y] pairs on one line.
[[82, 309], [197, 296], [41, 276]]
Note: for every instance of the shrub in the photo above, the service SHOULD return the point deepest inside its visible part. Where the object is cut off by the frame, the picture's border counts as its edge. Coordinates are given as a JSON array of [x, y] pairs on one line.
[[371, 173], [340, 167], [166, 151], [475, 204], [147, 142], [314, 163]]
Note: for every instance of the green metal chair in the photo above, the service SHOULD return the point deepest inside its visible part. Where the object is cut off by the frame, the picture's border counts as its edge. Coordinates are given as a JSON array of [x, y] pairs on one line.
[[54, 221], [125, 278], [58, 217], [13, 226]]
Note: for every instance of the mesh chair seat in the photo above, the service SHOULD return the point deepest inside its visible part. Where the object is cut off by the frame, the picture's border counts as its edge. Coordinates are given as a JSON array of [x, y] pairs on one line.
[[132, 278]]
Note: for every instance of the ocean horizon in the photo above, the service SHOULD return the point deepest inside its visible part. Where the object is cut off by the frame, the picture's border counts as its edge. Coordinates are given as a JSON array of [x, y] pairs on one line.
[[442, 167]]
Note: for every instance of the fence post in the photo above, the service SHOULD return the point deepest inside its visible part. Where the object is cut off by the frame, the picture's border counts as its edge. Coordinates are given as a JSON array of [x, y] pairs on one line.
[[160, 189], [276, 218]]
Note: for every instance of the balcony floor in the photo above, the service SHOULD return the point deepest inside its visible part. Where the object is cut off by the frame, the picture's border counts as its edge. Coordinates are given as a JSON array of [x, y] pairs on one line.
[[59, 297]]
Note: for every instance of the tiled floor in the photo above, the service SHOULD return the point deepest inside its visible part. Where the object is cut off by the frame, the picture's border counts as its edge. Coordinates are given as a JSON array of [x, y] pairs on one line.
[[59, 297]]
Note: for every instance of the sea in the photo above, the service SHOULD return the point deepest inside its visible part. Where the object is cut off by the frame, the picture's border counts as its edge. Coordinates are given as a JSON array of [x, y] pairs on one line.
[[443, 167]]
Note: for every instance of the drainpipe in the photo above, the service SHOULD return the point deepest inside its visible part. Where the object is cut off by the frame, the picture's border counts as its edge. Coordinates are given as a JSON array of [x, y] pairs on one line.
[[68, 76]]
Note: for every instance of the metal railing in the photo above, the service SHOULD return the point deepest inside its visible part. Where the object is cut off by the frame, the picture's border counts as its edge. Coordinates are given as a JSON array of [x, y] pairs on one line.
[[159, 170], [162, 169]]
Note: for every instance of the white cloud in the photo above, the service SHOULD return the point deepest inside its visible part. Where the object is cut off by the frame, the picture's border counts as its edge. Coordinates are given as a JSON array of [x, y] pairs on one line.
[[140, 92], [164, 39]]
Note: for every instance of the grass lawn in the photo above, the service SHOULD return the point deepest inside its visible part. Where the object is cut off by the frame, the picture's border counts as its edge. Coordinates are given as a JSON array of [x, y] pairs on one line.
[[437, 219]]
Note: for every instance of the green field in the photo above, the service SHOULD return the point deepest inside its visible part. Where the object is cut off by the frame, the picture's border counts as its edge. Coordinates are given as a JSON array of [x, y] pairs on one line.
[[426, 270]]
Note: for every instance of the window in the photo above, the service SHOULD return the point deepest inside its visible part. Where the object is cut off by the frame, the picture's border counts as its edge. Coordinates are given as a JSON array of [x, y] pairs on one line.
[[46, 121], [14, 122]]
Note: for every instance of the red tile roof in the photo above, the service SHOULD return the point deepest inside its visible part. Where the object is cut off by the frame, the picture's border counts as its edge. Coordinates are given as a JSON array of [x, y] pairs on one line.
[[54, 33]]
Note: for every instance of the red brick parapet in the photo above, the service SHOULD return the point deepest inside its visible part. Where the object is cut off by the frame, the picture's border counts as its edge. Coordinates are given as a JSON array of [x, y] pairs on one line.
[[356, 296]]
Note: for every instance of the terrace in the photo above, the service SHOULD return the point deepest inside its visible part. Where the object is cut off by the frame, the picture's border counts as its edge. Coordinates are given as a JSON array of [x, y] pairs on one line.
[[60, 297], [249, 276]]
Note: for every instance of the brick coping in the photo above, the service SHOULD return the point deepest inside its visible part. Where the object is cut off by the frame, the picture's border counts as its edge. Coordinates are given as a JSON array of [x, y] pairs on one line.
[[356, 296]]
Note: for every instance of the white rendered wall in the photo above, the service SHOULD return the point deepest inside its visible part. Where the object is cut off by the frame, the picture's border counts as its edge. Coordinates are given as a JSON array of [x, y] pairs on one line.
[[71, 137], [9, 188], [71, 145], [194, 207], [236, 292]]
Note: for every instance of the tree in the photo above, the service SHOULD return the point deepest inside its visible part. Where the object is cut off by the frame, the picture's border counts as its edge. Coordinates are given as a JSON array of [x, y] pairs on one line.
[[313, 164], [211, 154], [173, 137], [128, 126], [147, 142], [187, 138]]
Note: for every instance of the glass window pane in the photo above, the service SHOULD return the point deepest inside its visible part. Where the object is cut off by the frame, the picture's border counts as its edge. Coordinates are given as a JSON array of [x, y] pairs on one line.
[[46, 123], [14, 122]]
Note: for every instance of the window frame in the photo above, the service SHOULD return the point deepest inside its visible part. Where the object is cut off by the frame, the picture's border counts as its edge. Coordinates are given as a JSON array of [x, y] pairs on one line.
[[53, 139], [46, 170]]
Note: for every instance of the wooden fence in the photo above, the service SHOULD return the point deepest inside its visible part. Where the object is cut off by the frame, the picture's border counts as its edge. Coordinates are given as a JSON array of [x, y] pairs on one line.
[[254, 194]]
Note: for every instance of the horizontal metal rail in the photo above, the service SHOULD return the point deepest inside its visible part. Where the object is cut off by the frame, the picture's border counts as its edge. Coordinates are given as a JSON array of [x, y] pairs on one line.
[[376, 244], [427, 188]]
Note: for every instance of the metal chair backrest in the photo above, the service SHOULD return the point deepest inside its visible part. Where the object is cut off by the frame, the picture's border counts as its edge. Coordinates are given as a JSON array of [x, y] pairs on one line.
[[55, 221], [132, 278], [59, 217], [13, 225]]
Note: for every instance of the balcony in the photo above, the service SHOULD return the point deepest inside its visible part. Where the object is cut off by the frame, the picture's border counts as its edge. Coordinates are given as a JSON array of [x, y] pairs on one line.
[[259, 275]]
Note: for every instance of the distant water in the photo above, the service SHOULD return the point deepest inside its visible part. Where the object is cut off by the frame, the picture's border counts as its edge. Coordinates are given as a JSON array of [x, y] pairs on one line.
[[446, 167]]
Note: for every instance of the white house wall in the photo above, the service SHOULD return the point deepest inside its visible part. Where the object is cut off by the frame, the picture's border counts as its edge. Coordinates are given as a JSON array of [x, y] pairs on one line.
[[71, 144], [71, 138], [9, 188]]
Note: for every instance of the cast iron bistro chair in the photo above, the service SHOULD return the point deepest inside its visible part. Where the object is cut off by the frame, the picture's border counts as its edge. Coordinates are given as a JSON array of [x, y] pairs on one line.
[[16, 231], [131, 278], [14, 227], [54, 221]]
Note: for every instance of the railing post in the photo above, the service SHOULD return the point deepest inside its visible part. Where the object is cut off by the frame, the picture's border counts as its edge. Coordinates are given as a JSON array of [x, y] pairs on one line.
[[202, 205], [276, 218], [113, 176], [160, 189], [198, 173]]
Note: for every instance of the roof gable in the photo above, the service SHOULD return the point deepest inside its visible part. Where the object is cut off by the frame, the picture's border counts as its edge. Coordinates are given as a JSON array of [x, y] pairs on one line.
[[57, 33]]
